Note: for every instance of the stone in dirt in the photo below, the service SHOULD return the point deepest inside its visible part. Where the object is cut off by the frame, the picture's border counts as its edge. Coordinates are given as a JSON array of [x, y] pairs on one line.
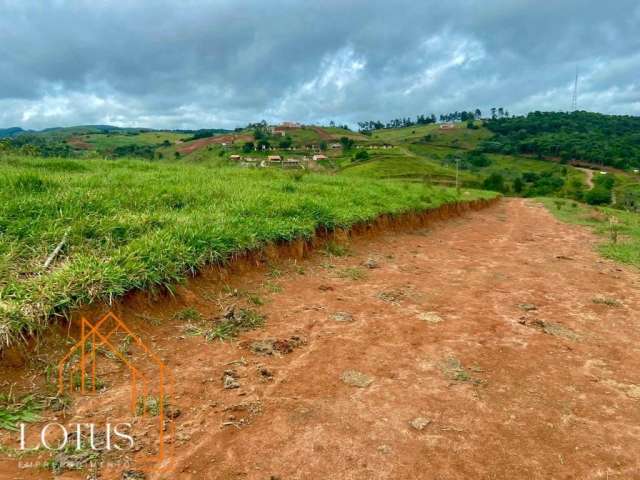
[[265, 373], [430, 317], [172, 412], [394, 296], [342, 317], [604, 300], [371, 264], [386, 449], [527, 307], [229, 380], [419, 423], [356, 379], [277, 346], [634, 391], [551, 328], [133, 475]]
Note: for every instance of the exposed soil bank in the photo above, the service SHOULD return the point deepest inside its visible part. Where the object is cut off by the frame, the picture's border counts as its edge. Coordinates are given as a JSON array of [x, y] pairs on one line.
[[295, 250], [496, 345]]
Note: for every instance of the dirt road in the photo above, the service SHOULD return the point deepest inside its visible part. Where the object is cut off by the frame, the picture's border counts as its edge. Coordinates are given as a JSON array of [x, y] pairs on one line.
[[589, 173], [494, 346]]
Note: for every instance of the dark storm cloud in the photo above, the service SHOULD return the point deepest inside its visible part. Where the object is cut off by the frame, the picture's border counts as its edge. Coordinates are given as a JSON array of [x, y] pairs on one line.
[[213, 63]]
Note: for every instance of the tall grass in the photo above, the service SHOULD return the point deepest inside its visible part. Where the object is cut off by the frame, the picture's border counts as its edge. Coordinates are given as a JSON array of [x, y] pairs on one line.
[[134, 224]]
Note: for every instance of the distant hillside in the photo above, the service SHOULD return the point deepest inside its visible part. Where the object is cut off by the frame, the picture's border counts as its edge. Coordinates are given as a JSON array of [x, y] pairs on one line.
[[583, 136], [99, 129], [10, 132]]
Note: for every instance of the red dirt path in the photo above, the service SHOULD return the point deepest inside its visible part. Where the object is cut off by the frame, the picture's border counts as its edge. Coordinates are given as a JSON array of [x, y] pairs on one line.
[[485, 325], [192, 146]]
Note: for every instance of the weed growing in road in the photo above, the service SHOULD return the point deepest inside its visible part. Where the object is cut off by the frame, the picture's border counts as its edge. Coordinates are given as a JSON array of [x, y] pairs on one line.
[[188, 314], [14, 411], [233, 323], [335, 249], [352, 273]]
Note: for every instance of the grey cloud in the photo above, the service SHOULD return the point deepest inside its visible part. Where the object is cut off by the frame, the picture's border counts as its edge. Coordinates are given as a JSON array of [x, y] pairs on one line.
[[201, 63]]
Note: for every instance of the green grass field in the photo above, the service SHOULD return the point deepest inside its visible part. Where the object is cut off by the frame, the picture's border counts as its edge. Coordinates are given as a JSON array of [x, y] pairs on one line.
[[620, 230], [135, 224], [460, 136], [395, 163], [104, 142]]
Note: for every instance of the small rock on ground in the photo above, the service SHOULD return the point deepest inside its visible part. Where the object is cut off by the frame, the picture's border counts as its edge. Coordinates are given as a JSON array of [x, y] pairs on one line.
[[371, 263], [527, 307], [356, 379], [343, 317], [634, 391], [133, 475], [229, 380], [419, 423], [430, 317], [277, 346]]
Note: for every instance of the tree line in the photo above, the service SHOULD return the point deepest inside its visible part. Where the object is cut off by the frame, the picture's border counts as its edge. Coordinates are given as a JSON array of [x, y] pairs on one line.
[[612, 140], [424, 119]]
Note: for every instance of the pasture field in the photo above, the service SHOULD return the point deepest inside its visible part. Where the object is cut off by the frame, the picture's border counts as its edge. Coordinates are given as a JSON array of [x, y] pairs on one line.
[[458, 137], [389, 164], [108, 141], [135, 224]]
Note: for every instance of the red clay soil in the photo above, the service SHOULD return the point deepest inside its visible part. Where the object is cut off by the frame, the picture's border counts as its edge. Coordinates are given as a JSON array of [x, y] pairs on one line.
[[78, 143], [190, 147], [322, 133], [497, 345]]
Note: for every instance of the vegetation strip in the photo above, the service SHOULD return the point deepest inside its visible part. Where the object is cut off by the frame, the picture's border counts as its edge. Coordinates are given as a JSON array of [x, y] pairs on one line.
[[620, 229], [135, 224]]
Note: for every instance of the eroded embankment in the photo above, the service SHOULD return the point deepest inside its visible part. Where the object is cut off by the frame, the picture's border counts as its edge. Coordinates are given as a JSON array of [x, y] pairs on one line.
[[245, 261]]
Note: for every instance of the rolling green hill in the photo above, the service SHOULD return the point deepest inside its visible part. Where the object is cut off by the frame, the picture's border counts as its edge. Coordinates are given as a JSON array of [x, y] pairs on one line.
[[527, 156]]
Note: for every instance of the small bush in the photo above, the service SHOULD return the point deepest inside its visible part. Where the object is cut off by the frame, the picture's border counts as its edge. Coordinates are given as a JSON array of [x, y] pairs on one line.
[[598, 195], [361, 156]]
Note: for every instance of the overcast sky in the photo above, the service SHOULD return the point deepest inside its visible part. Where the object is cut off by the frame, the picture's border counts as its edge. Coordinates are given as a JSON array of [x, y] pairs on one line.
[[193, 64]]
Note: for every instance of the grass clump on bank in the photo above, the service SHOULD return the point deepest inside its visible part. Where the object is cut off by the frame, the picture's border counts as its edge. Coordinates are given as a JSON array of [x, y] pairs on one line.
[[135, 224], [620, 229]]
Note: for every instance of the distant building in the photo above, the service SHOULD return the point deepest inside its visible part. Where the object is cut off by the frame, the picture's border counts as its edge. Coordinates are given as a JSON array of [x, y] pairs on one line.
[[235, 158], [447, 126], [291, 125], [319, 157], [335, 145], [274, 158]]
